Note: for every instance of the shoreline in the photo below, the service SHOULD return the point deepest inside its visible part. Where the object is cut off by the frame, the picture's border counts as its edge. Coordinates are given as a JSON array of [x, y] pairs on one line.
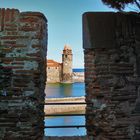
[[57, 109], [77, 77], [82, 81]]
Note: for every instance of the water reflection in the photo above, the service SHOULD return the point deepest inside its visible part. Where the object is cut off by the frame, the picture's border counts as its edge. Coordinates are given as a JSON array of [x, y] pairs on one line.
[[60, 91], [65, 90], [74, 120]]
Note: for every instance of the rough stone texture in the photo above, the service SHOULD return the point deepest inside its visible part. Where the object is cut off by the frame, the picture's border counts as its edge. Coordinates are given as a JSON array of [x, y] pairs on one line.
[[112, 71], [78, 77], [54, 71], [67, 65], [60, 72], [23, 46], [61, 109]]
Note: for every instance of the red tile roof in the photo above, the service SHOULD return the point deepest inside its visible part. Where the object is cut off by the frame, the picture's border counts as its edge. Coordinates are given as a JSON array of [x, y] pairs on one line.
[[52, 63]]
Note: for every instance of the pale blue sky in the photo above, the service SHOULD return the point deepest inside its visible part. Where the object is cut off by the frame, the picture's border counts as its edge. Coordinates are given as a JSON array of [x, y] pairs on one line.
[[64, 23]]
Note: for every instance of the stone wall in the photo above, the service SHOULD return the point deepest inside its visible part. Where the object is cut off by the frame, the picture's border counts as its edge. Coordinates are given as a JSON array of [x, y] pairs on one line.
[[23, 46], [67, 58], [54, 74], [112, 70], [78, 76], [59, 109]]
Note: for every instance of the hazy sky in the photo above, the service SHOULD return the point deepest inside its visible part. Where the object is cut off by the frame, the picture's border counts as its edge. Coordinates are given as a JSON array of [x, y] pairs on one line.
[[64, 23]]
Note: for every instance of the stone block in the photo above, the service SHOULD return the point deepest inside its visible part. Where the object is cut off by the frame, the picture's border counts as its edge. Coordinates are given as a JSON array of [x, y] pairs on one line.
[[22, 74], [111, 49]]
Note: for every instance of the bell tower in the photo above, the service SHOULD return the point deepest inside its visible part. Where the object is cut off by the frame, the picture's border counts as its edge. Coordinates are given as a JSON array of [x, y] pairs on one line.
[[67, 65]]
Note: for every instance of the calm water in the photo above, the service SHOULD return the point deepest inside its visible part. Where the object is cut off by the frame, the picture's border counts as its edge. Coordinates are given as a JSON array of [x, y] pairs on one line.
[[60, 91], [65, 90], [75, 120], [78, 70]]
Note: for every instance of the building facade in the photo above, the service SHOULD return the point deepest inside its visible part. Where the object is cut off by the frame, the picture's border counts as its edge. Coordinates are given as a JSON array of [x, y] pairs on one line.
[[54, 73], [60, 72], [67, 65]]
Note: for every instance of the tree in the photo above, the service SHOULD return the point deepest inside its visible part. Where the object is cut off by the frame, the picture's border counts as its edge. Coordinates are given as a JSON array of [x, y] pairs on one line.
[[120, 4]]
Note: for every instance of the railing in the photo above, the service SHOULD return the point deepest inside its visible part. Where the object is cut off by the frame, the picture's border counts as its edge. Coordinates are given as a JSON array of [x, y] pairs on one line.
[[69, 126], [59, 115], [70, 103]]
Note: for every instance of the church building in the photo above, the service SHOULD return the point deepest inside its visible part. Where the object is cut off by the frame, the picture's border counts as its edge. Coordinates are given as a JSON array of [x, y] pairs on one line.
[[60, 72]]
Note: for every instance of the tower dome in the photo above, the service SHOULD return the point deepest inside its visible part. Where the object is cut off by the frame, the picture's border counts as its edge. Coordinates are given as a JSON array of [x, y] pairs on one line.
[[66, 47]]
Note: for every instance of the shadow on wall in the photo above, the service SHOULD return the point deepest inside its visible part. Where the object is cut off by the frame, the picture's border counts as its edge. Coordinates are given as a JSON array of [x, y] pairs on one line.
[[111, 49], [23, 46]]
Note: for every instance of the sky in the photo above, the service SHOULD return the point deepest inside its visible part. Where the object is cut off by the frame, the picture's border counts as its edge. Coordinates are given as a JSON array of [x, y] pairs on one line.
[[64, 23]]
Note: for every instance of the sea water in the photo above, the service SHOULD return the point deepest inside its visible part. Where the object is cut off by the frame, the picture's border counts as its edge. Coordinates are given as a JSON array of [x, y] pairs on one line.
[[60, 91], [65, 90]]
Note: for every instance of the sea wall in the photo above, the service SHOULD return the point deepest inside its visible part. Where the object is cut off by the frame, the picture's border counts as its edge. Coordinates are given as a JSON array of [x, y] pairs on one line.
[[78, 77], [54, 76], [23, 46], [60, 109], [112, 70]]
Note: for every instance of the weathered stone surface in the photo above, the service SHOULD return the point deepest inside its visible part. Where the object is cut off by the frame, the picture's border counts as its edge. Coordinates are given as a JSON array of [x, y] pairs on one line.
[[112, 70], [78, 76], [67, 65], [95, 30], [54, 71], [22, 74], [60, 72]]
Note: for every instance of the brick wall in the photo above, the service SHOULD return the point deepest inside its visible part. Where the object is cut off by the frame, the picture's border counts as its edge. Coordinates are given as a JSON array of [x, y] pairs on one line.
[[112, 70], [23, 46]]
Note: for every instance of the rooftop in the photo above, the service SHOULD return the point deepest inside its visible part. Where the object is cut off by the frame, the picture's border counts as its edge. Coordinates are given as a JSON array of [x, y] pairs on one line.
[[52, 63], [67, 47]]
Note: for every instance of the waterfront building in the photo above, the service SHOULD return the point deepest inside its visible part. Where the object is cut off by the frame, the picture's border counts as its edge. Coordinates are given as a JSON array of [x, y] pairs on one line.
[[60, 72]]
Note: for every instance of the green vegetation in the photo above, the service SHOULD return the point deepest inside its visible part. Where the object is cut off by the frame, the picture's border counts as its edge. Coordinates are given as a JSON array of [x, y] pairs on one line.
[[121, 4]]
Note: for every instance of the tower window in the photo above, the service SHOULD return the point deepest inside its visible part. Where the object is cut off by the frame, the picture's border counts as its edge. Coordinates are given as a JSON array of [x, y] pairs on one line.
[[66, 56]]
